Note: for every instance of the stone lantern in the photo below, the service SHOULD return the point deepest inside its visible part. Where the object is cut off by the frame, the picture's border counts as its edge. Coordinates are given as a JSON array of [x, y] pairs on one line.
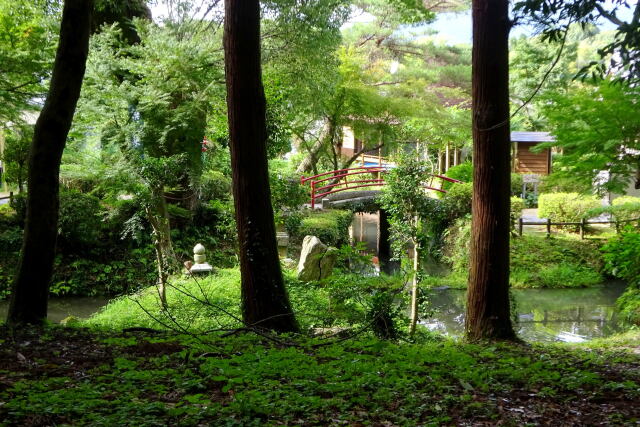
[[201, 265]]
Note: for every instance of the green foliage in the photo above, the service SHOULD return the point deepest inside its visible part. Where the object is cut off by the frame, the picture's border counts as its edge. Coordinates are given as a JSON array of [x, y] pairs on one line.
[[516, 184], [517, 205], [287, 195], [16, 155], [343, 301], [244, 379], [618, 58], [457, 201], [222, 290], [622, 256], [28, 37], [556, 276], [625, 208], [566, 207], [535, 261], [629, 305], [456, 245], [605, 109], [462, 172], [330, 226], [80, 220], [412, 213]]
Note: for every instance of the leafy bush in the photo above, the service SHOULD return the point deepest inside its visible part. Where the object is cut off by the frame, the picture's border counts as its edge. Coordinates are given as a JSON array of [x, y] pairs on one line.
[[287, 196], [622, 257], [456, 244], [516, 184], [629, 305], [625, 208], [462, 172], [566, 207], [457, 201], [79, 223], [330, 226], [517, 205]]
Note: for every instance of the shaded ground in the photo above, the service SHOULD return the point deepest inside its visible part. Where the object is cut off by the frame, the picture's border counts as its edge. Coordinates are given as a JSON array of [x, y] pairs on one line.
[[72, 376]]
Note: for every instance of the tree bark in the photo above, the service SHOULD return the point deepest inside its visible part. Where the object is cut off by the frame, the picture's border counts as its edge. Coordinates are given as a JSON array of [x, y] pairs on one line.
[[387, 266], [488, 292], [166, 260], [30, 289], [265, 302]]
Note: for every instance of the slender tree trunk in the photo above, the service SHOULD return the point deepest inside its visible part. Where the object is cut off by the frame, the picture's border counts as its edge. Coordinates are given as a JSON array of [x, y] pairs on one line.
[[264, 298], [488, 292], [387, 266], [30, 288], [166, 261], [414, 288]]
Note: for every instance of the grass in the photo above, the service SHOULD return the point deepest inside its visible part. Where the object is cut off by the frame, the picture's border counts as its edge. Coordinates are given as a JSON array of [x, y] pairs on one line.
[[74, 376], [563, 261], [213, 303]]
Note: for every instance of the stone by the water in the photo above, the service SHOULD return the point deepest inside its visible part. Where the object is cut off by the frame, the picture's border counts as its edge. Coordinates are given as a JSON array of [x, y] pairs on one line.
[[316, 259]]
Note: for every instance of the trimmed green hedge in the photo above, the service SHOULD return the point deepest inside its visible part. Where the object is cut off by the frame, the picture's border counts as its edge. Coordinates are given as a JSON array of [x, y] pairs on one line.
[[330, 226], [566, 207]]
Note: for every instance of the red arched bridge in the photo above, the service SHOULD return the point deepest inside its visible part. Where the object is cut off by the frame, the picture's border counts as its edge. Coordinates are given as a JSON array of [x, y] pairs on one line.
[[340, 180]]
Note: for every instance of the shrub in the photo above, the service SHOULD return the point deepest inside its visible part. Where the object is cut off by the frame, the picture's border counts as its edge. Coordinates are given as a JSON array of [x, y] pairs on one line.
[[566, 207], [456, 244], [629, 305], [330, 226], [622, 257], [516, 184], [517, 205], [79, 223], [462, 172], [457, 201], [626, 208]]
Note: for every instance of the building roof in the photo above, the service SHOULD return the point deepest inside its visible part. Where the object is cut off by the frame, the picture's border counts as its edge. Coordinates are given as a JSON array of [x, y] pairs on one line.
[[532, 137]]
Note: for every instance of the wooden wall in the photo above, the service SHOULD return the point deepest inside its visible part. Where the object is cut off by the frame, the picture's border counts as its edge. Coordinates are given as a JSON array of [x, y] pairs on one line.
[[526, 161]]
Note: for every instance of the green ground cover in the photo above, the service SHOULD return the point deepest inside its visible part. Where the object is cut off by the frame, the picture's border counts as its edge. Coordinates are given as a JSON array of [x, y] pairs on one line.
[[536, 262], [71, 376]]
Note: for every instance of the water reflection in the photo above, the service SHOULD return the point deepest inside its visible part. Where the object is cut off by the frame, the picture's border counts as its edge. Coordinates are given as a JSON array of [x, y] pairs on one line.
[[60, 308], [568, 315]]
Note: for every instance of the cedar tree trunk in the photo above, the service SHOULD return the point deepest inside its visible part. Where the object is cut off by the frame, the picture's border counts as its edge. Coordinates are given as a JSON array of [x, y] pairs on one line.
[[30, 289], [264, 298], [488, 292]]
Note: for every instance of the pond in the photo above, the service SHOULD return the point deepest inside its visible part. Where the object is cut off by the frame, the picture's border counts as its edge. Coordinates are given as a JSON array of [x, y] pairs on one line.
[[63, 307], [546, 315]]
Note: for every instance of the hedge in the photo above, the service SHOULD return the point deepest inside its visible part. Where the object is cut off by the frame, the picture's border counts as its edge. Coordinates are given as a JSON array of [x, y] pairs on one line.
[[566, 207], [330, 226]]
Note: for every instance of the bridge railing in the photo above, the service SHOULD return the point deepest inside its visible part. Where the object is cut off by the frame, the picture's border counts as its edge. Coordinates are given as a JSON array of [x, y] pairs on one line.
[[336, 181]]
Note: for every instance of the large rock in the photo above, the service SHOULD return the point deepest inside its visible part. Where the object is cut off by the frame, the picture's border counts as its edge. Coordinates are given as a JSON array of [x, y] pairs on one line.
[[316, 259]]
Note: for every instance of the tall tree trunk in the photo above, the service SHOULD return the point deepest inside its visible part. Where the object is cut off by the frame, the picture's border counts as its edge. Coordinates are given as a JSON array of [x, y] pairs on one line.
[[264, 298], [488, 292], [30, 288]]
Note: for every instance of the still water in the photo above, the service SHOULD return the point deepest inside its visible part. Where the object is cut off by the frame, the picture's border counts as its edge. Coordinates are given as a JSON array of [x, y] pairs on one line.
[[569, 315], [63, 307]]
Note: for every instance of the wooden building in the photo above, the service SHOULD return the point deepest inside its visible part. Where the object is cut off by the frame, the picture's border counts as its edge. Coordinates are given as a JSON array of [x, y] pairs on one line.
[[525, 161]]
